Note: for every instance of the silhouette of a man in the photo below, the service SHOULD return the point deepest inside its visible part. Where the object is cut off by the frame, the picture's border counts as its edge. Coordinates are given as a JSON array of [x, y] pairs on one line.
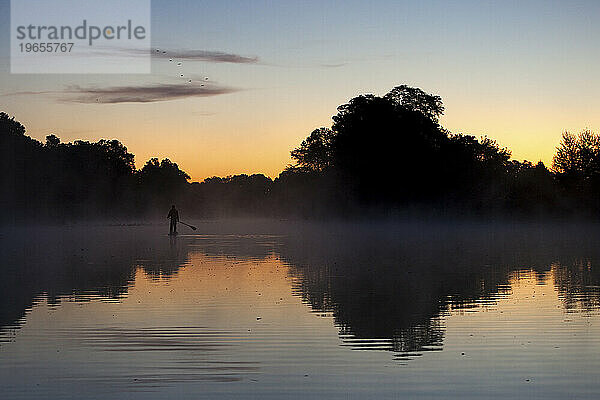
[[174, 215]]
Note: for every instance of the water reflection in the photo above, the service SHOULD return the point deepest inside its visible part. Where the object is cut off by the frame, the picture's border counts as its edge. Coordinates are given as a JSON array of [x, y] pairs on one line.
[[389, 287], [578, 285], [81, 264], [180, 354], [231, 304]]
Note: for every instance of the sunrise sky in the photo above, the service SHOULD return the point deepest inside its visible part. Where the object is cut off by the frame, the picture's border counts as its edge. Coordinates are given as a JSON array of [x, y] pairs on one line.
[[521, 72]]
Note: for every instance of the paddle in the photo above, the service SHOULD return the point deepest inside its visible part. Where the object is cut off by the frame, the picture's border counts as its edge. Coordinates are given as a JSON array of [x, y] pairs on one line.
[[191, 226]]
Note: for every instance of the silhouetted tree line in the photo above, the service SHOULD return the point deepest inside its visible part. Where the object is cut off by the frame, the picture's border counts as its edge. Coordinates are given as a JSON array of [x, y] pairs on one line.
[[63, 181], [384, 154], [391, 154]]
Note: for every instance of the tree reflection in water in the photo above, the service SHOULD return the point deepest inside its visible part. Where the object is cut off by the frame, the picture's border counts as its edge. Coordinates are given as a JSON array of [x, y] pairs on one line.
[[388, 286]]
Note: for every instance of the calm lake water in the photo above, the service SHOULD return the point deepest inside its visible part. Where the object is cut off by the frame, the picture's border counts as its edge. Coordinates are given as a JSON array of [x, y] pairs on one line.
[[258, 309]]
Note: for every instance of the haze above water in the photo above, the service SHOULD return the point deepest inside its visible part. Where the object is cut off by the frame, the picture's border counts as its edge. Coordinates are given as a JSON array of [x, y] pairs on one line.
[[259, 309]]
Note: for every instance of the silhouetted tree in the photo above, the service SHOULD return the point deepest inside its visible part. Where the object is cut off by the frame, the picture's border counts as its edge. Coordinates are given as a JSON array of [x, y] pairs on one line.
[[385, 151], [21, 163], [576, 165], [62, 180], [10, 127], [532, 189], [476, 169], [315, 152], [161, 183], [415, 99], [578, 157], [166, 174], [52, 141], [391, 150], [237, 195]]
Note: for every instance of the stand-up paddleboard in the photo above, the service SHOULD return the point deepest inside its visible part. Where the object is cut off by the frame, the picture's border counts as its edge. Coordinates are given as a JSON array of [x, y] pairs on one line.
[[183, 223]]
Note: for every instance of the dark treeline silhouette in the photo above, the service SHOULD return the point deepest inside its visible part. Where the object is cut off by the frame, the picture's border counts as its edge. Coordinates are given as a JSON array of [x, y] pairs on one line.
[[63, 181], [391, 153], [383, 155]]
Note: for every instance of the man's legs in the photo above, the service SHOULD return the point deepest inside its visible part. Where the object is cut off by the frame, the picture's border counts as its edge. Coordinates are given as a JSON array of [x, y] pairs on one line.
[[173, 227]]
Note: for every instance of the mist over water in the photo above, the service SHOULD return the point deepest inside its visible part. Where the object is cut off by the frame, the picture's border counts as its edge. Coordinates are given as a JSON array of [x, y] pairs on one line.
[[283, 309]]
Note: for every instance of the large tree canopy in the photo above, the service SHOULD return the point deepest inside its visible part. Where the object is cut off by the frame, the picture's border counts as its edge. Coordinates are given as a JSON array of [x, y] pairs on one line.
[[415, 99], [386, 149], [392, 148]]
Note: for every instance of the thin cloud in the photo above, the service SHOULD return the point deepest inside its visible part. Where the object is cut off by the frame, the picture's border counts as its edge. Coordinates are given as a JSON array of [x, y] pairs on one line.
[[24, 93], [204, 113], [143, 94], [133, 94], [334, 65], [205, 55]]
